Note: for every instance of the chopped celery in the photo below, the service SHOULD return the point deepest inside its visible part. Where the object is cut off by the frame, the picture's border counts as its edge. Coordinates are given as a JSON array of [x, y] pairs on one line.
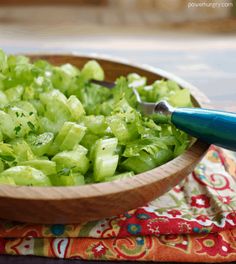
[[22, 150], [69, 136], [105, 147], [63, 76], [180, 98], [3, 61], [162, 156], [75, 107], [119, 176], [46, 125], [136, 80], [56, 107], [24, 121], [7, 153], [1, 165], [3, 99], [105, 167], [73, 137], [7, 125], [75, 160], [79, 179], [123, 131], [26, 106], [88, 141], [141, 163], [38, 106], [7, 180], [14, 94], [66, 177], [29, 93], [96, 124], [92, 70], [26, 175], [105, 162], [63, 133], [46, 166], [55, 123], [40, 144]]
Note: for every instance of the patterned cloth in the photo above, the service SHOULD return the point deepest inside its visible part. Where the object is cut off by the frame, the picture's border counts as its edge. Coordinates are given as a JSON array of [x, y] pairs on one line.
[[195, 222]]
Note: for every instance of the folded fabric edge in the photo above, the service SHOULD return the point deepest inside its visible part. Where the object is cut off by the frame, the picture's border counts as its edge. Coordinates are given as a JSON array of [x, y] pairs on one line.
[[215, 247]]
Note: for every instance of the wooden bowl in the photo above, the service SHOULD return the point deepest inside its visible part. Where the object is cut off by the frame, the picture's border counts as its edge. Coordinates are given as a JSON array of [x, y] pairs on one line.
[[48, 205]]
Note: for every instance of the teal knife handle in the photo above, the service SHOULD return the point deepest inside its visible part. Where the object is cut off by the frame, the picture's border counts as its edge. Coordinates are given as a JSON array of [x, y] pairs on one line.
[[214, 127]]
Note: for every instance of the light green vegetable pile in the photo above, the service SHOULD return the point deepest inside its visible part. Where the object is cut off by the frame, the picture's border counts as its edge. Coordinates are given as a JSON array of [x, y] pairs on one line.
[[56, 128]]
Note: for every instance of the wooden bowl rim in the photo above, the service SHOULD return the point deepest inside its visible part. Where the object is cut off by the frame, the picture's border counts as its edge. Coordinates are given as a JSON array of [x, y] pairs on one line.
[[123, 185]]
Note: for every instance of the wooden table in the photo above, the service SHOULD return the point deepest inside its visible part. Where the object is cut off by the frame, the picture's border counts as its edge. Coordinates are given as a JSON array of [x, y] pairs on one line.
[[207, 61]]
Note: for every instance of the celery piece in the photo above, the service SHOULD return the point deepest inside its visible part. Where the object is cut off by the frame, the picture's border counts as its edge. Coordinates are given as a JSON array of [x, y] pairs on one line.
[[26, 175], [40, 144], [69, 136], [92, 70], [29, 93], [24, 121], [22, 150], [46, 125], [62, 180], [105, 162], [140, 164], [26, 106], [75, 107], [119, 176], [63, 133], [162, 156], [64, 76], [105, 167], [14, 94], [89, 140], [105, 147], [55, 103], [79, 179], [7, 153], [3, 99], [1, 166], [46, 166], [7, 125], [69, 69], [121, 130], [3, 61], [136, 81], [38, 106], [180, 98], [7, 180], [73, 137], [75, 160], [66, 177], [96, 124], [172, 85]]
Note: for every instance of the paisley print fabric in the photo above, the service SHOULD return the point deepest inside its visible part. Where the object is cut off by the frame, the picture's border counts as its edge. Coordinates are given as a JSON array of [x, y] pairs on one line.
[[195, 221]]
